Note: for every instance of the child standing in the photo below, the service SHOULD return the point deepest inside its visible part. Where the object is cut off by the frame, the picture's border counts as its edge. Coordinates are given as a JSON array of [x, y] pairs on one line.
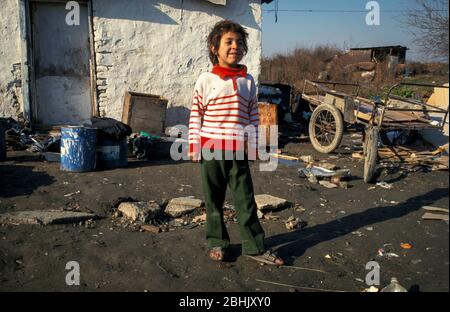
[[224, 102]]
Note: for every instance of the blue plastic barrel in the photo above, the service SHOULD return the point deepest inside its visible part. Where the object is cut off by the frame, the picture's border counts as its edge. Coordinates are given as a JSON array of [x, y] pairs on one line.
[[112, 154], [78, 149], [2, 143]]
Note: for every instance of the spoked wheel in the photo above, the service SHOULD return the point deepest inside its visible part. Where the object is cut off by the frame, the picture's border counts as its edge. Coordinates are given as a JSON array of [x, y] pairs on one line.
[[326, 128], [370, 153]]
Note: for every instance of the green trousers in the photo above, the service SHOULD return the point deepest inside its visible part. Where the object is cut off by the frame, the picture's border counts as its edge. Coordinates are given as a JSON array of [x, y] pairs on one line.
[[216, 176]]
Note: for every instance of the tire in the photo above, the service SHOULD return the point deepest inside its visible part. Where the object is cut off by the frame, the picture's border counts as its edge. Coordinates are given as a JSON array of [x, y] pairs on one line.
[[326, 128], [370, 154]]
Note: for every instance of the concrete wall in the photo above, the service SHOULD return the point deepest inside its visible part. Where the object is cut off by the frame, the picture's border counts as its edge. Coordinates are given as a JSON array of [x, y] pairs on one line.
[[156, 47], [10, 60]]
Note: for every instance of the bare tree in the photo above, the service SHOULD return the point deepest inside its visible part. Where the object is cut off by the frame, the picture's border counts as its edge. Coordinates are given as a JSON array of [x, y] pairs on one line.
[[429, 27]]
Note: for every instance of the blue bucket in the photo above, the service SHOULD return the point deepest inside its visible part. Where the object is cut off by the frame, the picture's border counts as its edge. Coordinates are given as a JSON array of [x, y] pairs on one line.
[[112, 154], [78, 149], [2, 143]]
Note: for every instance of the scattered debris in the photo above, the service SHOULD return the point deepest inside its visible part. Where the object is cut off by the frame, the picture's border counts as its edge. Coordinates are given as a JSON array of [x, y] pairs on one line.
[[319, 172], [71, 194], [303, 269], [327, 184], [358, 233], [140, 211], [400, 154], [270, 216], [267, 202], [336, 180], [371, 289], [298, 287], [178, 207], [199, 219], [406, 245], [328, 166], [382, 253], [151, 228], [394, 286], [384, 185], [46, 217], [293, 223], [307, 159]]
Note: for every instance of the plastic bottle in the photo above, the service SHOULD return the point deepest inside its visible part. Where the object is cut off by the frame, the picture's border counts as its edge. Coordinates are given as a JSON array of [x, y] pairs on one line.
[[394, 286]]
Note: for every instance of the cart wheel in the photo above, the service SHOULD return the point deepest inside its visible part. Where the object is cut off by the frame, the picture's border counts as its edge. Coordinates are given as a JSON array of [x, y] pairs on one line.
[[326, 128], [370, 154]]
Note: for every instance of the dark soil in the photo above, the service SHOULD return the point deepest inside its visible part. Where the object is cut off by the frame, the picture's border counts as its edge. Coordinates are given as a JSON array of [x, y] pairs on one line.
[[345, 229]]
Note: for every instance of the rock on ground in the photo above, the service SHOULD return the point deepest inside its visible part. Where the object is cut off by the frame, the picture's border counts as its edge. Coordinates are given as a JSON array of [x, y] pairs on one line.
[[266, 202], [140, 211], [46, 217], [178, 207]]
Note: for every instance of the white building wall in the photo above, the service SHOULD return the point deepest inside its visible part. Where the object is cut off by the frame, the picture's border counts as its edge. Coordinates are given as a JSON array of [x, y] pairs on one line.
[[160, 48], [10, 60], [148, 46]]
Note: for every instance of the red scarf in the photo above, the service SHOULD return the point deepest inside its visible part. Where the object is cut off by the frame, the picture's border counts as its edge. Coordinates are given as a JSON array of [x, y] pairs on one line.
[[233, 73]]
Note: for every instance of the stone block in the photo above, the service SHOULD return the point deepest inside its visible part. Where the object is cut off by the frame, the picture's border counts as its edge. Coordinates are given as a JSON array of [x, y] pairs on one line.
[[178, 207], [140, 211]]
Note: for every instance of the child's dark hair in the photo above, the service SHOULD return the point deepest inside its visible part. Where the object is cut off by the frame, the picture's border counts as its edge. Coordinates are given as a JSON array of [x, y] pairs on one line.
[[217, 32]]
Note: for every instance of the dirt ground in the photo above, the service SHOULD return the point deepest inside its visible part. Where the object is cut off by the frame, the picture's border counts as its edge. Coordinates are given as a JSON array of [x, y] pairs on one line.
[[345, 229]]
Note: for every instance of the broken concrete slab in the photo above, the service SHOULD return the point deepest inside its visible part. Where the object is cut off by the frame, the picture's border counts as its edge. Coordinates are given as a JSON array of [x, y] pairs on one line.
[[266, 202], [178, 207], [140, 211], [46, 217]]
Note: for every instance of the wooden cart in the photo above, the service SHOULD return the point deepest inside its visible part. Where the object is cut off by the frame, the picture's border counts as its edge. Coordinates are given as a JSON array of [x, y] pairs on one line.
[[332, 109]]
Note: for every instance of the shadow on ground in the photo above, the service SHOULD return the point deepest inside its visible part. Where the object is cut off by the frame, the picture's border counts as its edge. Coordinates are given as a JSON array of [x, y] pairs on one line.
[[294, 244], [21, 180]]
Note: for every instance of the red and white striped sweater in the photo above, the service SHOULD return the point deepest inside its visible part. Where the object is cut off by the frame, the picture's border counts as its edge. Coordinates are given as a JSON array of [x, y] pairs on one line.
[[224, 111]]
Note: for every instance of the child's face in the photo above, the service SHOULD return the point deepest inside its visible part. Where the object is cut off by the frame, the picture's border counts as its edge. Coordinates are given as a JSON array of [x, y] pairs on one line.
[[231, 49]]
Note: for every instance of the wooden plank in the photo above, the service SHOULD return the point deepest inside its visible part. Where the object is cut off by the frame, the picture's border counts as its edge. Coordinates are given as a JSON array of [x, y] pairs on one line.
[[430, 208], [435, 216]]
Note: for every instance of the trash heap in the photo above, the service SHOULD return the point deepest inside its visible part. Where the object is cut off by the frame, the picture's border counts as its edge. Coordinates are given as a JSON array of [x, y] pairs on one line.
[[19, 137]]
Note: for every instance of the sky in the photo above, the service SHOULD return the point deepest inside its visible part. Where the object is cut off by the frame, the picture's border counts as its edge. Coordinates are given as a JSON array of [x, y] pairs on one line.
[[341, 29]]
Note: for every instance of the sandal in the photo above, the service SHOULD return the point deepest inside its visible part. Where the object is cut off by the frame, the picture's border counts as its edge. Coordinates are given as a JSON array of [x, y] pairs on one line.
[[218, 253], [268, 258]]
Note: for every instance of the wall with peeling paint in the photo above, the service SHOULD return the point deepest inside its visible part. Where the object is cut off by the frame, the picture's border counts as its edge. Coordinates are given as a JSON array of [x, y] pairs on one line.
[[10, 60], [148, 46], [158, 47]]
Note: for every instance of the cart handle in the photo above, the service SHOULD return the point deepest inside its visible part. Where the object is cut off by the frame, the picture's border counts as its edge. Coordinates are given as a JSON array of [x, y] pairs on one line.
[[422, 85], [337, 83]]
